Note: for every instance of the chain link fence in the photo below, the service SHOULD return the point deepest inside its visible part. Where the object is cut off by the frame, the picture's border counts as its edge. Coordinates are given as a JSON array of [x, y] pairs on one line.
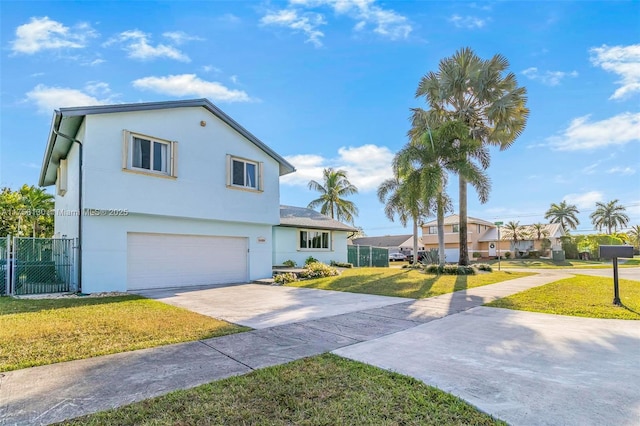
[[360, 256], [5, 248], [42, 265]]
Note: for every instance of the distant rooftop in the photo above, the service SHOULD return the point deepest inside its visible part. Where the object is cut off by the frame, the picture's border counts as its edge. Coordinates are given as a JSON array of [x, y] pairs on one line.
[[308, 218]]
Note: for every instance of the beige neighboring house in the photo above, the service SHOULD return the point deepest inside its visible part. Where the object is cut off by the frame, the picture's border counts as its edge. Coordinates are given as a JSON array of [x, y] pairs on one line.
[[483, 238]]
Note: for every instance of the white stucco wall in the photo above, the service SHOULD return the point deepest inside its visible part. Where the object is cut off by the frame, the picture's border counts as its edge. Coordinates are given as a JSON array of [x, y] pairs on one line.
[[285, 247], [200, 189], [66, 207], [105, 245]]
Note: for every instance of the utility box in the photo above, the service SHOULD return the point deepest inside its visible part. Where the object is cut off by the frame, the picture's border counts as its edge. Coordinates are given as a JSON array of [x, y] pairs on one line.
[[558, 255], [610, 252]]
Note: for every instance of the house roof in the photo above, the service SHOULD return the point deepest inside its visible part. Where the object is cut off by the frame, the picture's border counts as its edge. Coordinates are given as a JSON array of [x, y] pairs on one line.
[[384, 241], [553, 230], [67, 121], [454, 218], [301, 217]]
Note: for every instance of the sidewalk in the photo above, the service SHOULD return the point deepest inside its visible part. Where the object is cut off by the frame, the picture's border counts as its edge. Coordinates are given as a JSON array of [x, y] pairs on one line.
[[56, 392]]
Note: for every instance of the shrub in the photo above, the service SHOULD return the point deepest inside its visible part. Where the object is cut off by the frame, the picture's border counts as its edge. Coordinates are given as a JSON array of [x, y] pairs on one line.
[[290, 263], [450, 270], [484, 267], [476, 254], [309, 260], [288, 277], [507, 254], [341, 264], [429, 257], [318, 270], [412, 266]]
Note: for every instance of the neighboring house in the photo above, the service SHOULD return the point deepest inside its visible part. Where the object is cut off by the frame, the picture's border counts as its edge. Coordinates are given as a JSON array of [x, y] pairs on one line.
[[395, 243], [304, 232], [171, 194], [483, 238]]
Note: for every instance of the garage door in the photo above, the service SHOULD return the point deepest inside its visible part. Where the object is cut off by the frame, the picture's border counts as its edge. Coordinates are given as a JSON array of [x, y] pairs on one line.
[[167, 260]]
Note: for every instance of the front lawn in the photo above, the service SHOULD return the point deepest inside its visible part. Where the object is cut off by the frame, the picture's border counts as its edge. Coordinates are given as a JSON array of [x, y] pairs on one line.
[[323, 390], [404, 282], [582, 296], [45, 331], [566, 264]]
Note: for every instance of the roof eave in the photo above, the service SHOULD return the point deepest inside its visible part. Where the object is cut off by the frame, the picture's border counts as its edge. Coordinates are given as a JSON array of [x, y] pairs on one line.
[[55, 124]]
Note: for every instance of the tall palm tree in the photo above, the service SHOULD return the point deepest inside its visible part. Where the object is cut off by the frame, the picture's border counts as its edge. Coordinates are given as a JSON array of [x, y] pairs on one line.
[[634, 236], [484, 96], [565, 214], [432, 155], [609, 215], [540, 230], [402, 198], [333, 190], [515, 233], [38, 203]]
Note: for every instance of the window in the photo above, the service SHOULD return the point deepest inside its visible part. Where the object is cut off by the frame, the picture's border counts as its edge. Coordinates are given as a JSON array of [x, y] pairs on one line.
[[479, 228], [455, 227], [147, 154], [318, 240], [244, 173], [433, 230]]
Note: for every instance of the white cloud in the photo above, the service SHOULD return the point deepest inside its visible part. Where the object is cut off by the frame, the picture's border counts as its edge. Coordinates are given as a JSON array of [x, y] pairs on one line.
[[471, 22], [584, 201], [626, 171], [136, 44], [621, 60], [592, 168], [550, 78], [367, 166], [385, 22], [49, 98], [234, 79], [583, 134], [180, 37], [307, 23], [211, 68], [191, 85], [47, 34]]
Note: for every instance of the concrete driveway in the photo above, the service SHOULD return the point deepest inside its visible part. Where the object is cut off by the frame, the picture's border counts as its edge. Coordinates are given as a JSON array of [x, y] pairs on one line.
[[260, 306], [522, 367]]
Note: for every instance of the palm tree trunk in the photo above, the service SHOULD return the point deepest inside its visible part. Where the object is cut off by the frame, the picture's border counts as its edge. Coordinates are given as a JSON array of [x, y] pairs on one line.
[[464, 250], [440, 224], [415, 240]]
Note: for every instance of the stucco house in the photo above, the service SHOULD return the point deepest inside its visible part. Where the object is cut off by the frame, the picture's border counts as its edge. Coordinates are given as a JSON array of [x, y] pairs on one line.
[[483, 238], [395, 243], [163, 194], [304, 232]]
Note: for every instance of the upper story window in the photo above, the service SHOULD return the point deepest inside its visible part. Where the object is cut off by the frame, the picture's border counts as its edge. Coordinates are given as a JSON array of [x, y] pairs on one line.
[[433, 230], [455, 227], [244, 173], [318, 240], [479, 228], [148, 154]]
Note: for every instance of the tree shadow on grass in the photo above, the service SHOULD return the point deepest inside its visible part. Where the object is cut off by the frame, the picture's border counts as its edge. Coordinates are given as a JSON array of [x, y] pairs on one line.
[[9, 305]]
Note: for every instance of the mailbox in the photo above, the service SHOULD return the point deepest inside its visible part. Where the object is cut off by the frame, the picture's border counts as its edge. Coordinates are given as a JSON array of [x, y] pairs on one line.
[[610, 252]]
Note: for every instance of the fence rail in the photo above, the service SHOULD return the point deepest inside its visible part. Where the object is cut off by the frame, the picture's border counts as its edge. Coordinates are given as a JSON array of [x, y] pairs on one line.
[[360, 256]]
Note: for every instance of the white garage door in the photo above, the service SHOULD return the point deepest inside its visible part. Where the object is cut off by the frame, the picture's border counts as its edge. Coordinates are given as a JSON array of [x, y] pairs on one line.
[[452, 255], [166, 260]]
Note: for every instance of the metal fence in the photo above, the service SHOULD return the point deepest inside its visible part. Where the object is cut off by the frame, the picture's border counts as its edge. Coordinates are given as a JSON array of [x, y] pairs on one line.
[[5, 249], [360, 256], [40, 265]]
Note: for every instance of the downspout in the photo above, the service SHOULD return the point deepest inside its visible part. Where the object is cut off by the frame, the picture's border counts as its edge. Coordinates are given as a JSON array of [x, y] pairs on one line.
[[80, 212]]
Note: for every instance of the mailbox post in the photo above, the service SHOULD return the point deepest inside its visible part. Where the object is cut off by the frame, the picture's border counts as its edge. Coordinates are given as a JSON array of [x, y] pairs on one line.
[[498, 225], [614, 252]]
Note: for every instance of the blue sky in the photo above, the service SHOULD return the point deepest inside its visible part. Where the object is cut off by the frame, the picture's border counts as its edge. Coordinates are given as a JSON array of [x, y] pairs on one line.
[[329, 83]]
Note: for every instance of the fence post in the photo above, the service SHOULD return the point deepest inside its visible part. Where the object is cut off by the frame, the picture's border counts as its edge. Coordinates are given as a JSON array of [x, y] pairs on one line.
[[358, 255], [370, 256], [12, 281], [7, 270]]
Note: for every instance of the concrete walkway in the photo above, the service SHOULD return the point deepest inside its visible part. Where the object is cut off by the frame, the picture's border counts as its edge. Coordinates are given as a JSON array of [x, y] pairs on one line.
[[56, 392]]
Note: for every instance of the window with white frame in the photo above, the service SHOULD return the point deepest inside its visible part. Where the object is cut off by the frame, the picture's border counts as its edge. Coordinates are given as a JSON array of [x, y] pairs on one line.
[[244, 173], [148, 154], [314, 240], [433, 230]]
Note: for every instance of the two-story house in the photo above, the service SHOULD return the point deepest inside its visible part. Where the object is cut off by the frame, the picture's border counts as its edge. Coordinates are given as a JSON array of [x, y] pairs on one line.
[[162, 194]]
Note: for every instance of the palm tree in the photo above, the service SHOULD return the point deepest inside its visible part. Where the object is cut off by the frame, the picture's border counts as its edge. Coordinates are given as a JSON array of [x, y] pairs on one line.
[[484, 96], [402, 198], [609, 215], [333, 191], [540, 230], [431, 156], [515, 233], [38, 203], [565, 214], [634, 236]]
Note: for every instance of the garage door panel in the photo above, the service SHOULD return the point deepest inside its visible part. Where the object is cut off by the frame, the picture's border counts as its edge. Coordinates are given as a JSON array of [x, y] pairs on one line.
[[166, 260]]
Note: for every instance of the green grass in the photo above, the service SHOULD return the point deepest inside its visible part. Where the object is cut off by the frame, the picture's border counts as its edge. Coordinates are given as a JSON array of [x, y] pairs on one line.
[[323, 390], [582, 296], [45, 331], [404, 282], [550, 264]]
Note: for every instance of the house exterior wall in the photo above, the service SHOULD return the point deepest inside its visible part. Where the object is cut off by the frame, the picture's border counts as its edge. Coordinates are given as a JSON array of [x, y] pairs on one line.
[[200, 189], [285, 247], [104, 265], [452, 239], [66, 206]]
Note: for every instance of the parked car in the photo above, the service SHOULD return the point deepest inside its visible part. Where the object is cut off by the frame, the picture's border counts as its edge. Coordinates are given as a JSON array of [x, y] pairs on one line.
[[420, 256], [397, 256]]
